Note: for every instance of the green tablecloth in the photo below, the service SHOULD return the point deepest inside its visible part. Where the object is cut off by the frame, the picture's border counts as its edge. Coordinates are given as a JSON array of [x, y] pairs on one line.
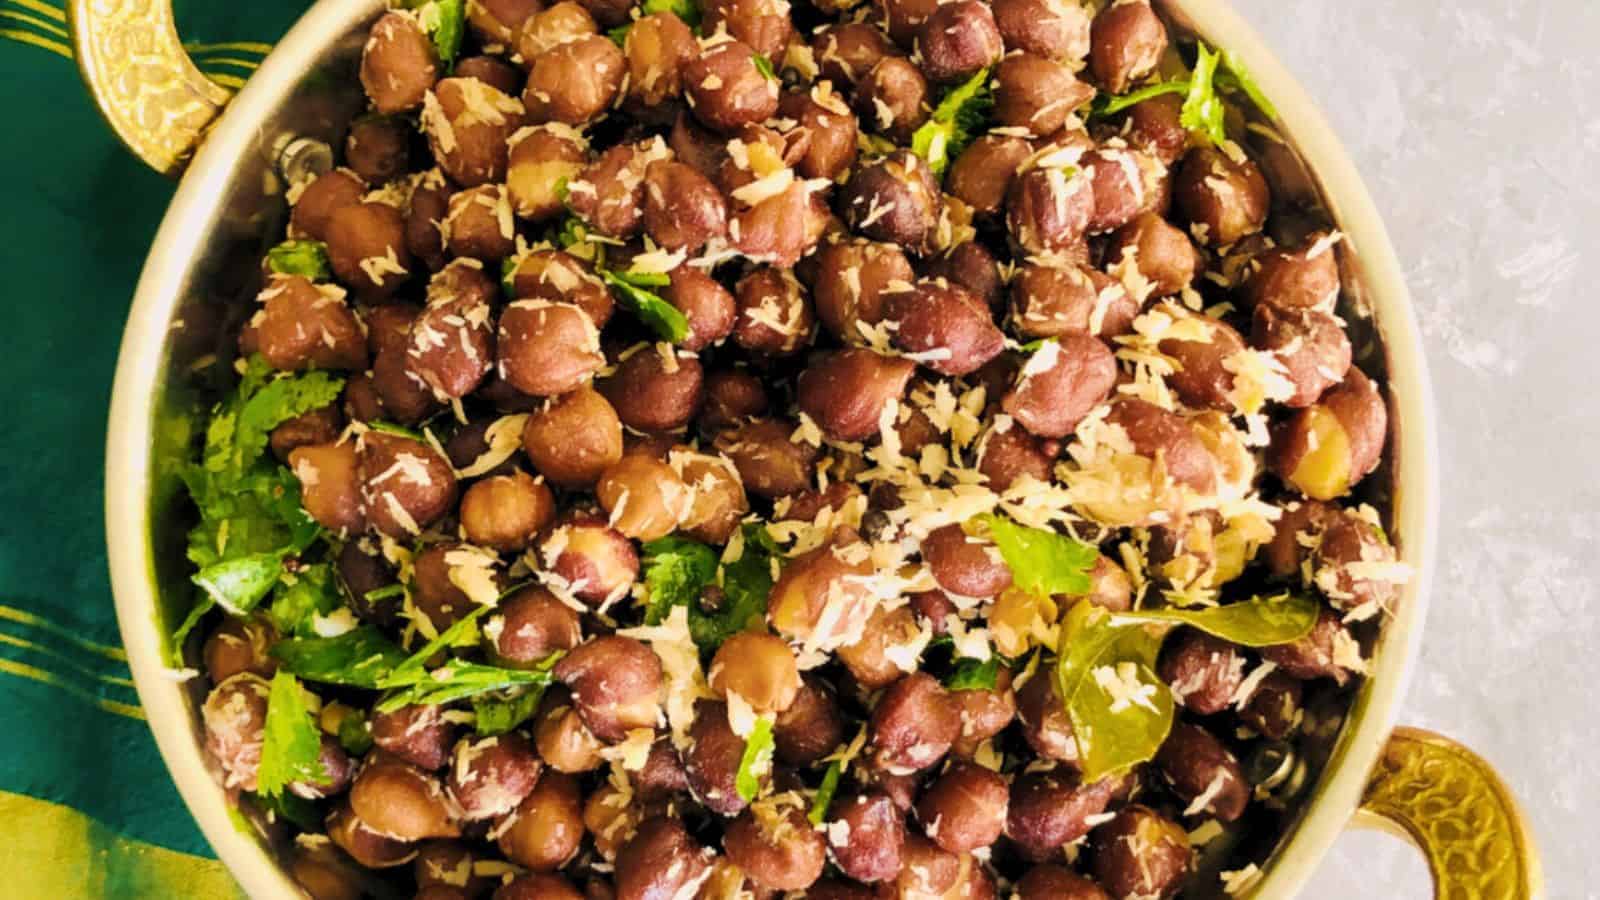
[[86, 807]]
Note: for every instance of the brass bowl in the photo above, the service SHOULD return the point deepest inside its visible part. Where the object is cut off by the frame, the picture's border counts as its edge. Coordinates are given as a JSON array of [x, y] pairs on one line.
[[229, 208]]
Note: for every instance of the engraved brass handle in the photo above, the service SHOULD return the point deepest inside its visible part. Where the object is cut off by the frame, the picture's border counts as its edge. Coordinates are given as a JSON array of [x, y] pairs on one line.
[[154, 97], [1445, 799]]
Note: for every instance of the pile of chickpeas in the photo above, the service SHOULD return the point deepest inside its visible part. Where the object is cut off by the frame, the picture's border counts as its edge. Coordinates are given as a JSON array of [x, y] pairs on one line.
[[832, 284]]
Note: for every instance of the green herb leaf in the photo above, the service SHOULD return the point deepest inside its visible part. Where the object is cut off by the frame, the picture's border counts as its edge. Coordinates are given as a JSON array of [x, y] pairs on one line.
[[457, 680], [309, 593], [237, 585], [662, 317], [1257, 622], [463, 633], [687, 10], [1121, 711], [644, 279], [764, 66], [1042, 563], [1235, 75], [307, 258], [397, 430], [961, 113], [181, 635], [498, 715], [354, 735], [1203, 110], [291, 749], [508, 276], [825, 792], [361, 657], [1108, 104], [974, 674], [619, 34], [676, 570], [756, 761], [445, 22], [384, 593], [292, 808]]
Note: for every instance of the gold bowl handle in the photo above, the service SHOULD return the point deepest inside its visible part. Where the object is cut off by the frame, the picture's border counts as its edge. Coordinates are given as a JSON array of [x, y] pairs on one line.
[[153, 96], [1447, 801]]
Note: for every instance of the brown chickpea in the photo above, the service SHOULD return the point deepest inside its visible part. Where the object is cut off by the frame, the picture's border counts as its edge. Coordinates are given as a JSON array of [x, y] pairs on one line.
[[969, 265], [1223, 200], [504, 512], [528, 626], [892, 99], [708, 306], [952, 331], [1311, 345], [398, 395], [324, 874], [1153, 430], [1302, 277], [1204, 671], [957, 40], [1051, 809], [378, 148], [964, 564], [984, 713], [609, 13], [868, 847], [301, 325], [398, 64], [1048, 209], [904, 18], [926, 870], [609, 194], [435, 591], [712, 759], [759, 668], [551, 27], [538, 161], [832, 573], [418, 735], [847, 51], [769, 462], [725, 89], [574, 439], [1324, 449], [868, 659], [535, 886], [779, 851], [331, 485], [774, 314], [1156, 127], [451, 344], [1158, 251], [1036, 93], [1054, 29], [1126, 43], [655, 389], [1347, 541], [235, 719], [1320, 654], [468, 123], [914, 724], [661, 860], [546, 348], [614, 682], [1126, 182], [964, 808], [402, 802], [565, 743], [644, 497], [846, 392], [1006, 456], [407, 485], [731, 397], [424, 217], [450, 864], [829, 130], [495, 72], [895, 200], [1202, 378], [658, 47], [1199, 768], [240, 645], [318, 426], [811, 727], [1061, 384], [490, 776], [1045, 724], [764, 25], [1050, 300], [598, 563], [496, 21], [329, 193], [850, 284], [574, 82], [560, 277], [1054, 882], [783, 228], [682, 208], [1141, 853], [367, 248], [1274, 708], [363, 844], [982, 174], [546, 829], [480, 224]]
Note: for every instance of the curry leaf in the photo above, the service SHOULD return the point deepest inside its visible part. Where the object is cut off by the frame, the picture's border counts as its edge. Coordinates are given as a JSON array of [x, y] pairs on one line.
[[756, 761], [1042, 562], [1257, 622], [291, 749], [1121, 711]]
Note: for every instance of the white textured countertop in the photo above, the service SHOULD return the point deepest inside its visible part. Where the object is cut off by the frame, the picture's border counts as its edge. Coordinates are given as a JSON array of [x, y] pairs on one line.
[[1476, 124]]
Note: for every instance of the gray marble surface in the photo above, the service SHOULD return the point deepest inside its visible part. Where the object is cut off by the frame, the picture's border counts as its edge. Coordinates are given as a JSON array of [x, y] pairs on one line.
[[1476, 124]]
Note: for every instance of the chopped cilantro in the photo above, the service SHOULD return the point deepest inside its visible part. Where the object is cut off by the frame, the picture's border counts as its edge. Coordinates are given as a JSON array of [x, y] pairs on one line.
[[1235, 76], [756, 761], [662, 317], [237, 585], [677, 570], [361, 657], [311, 592], [291, 749], [1203, 110], [955, 121], [458, 680], [1107, 104], [307, 258], [974, 674], [764, 66], [444, 21], [825, 792], [687, 10], [498, 715]]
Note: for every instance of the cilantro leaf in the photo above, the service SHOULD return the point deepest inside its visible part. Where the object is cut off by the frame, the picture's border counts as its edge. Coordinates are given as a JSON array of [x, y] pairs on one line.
[[1121, 711], [825, 792], [464, 632], [662, 317], [307, 258], [1257, 622], [288, 807], [676, 570], [458, 680], [237, 585], [974, 674], [756, 761], [361, 657], [764, 66], [498, 715], [1108, 104], [354, 735], [291, 749], [687, 10], [1042, 563], [619, 34], [1203, 110], [311, 592], [1235, 76], [960, 114], [444, 21], [180, 636]]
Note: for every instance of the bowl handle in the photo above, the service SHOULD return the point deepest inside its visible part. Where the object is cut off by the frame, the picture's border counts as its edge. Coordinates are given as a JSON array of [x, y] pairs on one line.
[[1447, 801], [149, 91]]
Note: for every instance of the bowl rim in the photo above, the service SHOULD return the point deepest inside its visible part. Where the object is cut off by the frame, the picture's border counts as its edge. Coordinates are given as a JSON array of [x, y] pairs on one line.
[[130, 435]]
